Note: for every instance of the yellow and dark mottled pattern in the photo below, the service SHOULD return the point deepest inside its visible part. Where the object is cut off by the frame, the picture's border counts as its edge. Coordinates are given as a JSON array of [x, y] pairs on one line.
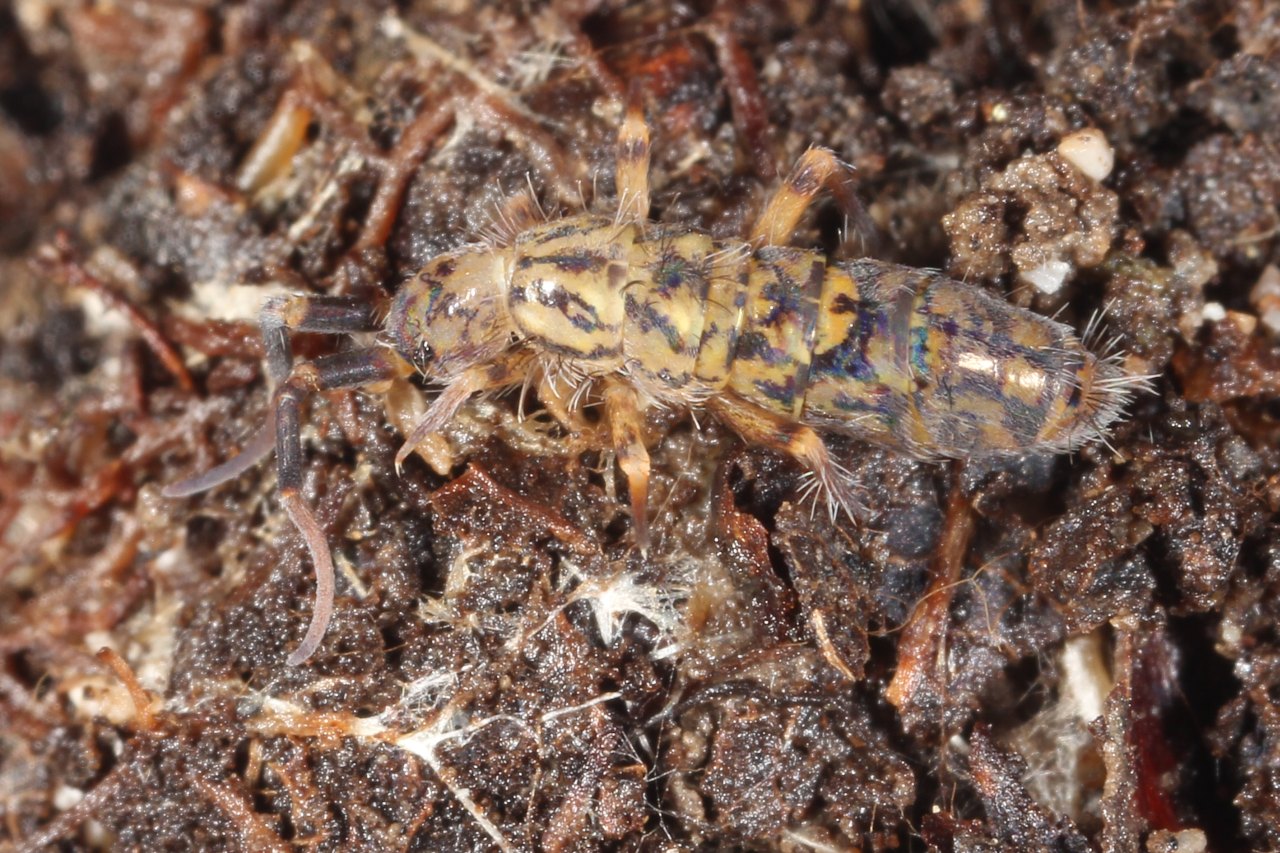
[[989, 376], [859, 379], [722, 320], [891, 354], [664, 307], [665, 300], [565, 288], [917, 361], [771, 364], [450, 316]]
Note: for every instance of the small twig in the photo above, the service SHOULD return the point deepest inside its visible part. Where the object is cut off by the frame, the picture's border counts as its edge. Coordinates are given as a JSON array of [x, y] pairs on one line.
[[746, 103], [426, 49], [56, 262], [402, 163], [80, 812], [922, 649], [255, 834], [141, 697]]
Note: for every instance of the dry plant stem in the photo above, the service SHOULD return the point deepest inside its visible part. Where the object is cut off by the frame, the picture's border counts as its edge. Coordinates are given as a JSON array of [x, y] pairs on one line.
[[428, 51], [1120, 795], [255, 834], [923, 650], [92, 801], [111, 565], [11, 488], [1136, 750], [541, 147], [579, 45], [499, 106], [137, 693], [18, 698], [272, 154], [215, 337], [56, 262], [475, 479], [491, 102], [402, 163], [91, 804], [746, 102]]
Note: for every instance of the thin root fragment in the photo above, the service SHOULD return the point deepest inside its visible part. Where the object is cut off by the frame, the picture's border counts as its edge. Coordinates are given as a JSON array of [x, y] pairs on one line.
[[921, 673], [59, 262]]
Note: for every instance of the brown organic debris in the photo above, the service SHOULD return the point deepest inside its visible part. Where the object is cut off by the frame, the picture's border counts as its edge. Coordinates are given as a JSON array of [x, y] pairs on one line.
[[1040, 653]]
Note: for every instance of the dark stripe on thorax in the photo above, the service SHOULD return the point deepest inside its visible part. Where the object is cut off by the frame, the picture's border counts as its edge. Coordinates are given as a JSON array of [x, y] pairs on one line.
[[575, 262]]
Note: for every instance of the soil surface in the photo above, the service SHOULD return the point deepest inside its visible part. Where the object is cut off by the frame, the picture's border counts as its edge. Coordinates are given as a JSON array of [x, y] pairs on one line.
[[1045, 653]]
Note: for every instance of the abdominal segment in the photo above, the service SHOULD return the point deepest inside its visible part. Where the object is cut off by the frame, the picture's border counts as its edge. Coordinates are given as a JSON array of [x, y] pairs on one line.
[[899, 356], [913, 360]]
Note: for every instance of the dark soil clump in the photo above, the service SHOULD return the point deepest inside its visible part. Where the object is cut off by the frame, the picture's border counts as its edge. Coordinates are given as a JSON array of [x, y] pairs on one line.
[[1046, 653]]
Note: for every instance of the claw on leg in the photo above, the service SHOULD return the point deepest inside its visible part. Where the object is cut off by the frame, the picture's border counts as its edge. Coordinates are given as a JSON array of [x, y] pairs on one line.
[[505, 373], [633, 165], [802, 443], [626, 427], [817, 168]]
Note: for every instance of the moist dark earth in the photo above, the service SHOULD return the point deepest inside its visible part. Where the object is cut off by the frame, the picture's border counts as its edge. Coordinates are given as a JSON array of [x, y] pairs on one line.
[[1046, 653]]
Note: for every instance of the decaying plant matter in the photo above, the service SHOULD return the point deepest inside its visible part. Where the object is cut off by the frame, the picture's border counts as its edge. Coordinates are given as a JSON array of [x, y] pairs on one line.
[[1037, 653]]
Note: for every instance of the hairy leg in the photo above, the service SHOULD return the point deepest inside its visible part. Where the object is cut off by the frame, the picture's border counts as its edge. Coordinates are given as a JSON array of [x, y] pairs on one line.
[[508, 371], [633, 165], [563, 401], [800, 442], [626, 428], [817, 168]]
